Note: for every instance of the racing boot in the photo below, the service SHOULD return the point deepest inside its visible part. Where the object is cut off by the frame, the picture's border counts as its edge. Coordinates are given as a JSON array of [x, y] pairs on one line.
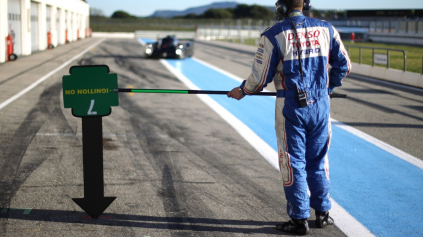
[[299, 227], [323, 219]]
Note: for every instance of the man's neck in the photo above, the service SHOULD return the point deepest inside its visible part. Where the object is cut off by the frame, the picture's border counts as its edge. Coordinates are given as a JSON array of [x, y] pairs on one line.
[[295, 12]]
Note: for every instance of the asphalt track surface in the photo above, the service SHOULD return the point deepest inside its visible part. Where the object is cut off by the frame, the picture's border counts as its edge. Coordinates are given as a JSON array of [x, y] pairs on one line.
[[176, 168]]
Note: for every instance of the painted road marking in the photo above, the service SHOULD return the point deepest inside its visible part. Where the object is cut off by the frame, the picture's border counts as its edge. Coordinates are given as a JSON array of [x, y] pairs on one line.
[[131, 87], [104, 135], [48, 75], [347, 223], [144, 41], [367, 176], [382, 145], [258, 143], [26, 211]]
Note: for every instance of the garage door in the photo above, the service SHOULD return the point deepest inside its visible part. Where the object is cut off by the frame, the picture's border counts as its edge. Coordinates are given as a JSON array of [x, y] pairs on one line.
[[14, 24], [48, 24], [67, 33], [71, 26], [58, 33], [34, 27], [48, 18]]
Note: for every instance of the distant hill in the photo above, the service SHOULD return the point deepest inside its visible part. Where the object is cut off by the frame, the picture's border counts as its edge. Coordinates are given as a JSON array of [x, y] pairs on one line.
[[196, 10]]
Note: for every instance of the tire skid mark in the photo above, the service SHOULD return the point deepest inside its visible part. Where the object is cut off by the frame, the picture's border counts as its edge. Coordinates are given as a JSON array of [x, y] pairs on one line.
[[175, 195], [12, 173], [154, 147], [153, 125]]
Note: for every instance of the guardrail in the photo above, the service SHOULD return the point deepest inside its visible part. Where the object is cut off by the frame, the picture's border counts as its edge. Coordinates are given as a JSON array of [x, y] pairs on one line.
[[396, 26], [161, 34], [373, 54]]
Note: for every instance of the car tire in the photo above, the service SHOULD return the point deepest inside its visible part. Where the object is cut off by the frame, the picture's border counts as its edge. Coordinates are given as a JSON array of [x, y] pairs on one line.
[[13, 57]]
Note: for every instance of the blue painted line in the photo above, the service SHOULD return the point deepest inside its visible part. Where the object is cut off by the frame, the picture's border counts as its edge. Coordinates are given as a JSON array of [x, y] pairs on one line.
[[257, 113], [380, 190], [144, 41]]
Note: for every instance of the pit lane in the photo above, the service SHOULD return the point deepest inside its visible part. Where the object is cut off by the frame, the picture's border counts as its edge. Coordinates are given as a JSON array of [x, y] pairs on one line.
[[175, 166]]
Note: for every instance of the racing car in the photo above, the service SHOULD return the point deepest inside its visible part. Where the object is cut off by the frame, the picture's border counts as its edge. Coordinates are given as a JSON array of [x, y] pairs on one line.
[[169, 47]]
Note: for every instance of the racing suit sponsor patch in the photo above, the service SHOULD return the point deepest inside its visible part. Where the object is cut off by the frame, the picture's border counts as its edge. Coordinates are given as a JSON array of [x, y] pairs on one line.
[[259, 54], [312, 42], [286, 168]]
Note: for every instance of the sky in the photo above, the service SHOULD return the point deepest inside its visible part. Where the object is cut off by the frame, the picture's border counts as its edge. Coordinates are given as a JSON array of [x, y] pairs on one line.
[[148, 7]]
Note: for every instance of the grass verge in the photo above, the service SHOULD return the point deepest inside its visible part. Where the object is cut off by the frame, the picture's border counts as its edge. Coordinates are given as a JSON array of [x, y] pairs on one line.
[[414, 55]]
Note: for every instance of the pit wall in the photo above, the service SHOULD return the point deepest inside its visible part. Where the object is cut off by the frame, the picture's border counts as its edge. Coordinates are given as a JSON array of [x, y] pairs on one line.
[[75, 11], [389, 74]]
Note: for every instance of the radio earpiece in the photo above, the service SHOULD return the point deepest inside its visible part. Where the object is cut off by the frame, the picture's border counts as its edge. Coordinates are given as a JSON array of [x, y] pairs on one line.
[[282, 7]]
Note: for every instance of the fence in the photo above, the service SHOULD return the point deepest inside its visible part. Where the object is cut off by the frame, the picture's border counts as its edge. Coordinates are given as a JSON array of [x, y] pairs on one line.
[[161, 34], [396, 26], [233, 29], [382, 59]]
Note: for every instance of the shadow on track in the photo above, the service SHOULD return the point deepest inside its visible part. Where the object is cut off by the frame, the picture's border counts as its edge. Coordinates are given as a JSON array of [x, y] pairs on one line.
[[149, 222]]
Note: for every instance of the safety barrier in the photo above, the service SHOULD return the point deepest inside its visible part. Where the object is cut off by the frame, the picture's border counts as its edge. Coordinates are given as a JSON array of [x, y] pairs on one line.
[[396, 26], [161, 34], [212, 34], [382, 59], [386, 73], [121, 35], [389, 74]]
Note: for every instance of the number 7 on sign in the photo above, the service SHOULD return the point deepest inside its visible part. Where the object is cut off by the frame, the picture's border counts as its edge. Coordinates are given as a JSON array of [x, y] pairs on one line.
[[90, 112]]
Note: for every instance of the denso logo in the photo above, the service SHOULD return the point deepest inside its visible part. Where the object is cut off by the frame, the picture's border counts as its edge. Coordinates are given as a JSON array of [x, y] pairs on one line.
[[302, 35]]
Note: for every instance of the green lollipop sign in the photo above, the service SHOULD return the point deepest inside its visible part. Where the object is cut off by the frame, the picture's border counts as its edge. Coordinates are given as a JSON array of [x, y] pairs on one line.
[[88, 90]]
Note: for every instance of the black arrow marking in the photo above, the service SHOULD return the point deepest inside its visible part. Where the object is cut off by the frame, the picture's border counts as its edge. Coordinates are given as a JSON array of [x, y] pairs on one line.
[[94, 203]]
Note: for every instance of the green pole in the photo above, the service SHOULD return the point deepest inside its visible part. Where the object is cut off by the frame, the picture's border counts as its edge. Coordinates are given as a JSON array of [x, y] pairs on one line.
[[129, 90]]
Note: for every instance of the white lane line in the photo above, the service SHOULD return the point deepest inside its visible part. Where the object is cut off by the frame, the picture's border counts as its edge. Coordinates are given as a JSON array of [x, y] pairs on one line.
[[259, 144], [104, 135], [236, 78], [39, 81], [230, 75], [382, 145], [141, 42], [343, 220], [347, 223]]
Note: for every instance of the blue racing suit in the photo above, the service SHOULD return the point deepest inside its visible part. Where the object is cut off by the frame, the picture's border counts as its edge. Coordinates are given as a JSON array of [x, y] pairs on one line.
[[303, 133]]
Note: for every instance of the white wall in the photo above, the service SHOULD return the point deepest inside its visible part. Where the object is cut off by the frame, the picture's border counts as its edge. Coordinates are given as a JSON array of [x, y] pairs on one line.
[[77, 9], [389, 74], [3, 29]]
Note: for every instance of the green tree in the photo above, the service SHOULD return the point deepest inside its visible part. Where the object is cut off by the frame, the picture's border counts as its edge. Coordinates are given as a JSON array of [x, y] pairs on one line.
[[121, 15], [190, 16], [253, 11], [242, 11], [259, 12], [96, 14], [214, 13]]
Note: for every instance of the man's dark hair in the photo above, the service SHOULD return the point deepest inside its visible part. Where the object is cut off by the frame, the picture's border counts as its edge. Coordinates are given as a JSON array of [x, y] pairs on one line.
[[295, 4]]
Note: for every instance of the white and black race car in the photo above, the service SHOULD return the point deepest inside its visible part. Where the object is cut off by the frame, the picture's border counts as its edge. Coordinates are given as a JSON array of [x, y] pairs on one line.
[[169, 47]]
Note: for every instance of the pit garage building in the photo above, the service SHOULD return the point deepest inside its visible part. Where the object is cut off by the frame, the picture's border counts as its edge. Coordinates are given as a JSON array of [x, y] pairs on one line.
[[36, 25]]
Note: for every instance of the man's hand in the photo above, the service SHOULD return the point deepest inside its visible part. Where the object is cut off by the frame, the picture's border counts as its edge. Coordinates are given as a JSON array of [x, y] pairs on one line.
[[236, 93]]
